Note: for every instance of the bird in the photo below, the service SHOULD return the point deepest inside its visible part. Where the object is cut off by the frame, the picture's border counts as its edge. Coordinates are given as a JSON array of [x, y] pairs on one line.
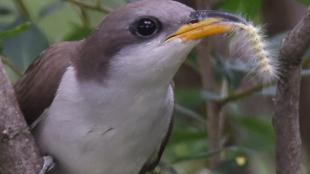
[[104, 104]]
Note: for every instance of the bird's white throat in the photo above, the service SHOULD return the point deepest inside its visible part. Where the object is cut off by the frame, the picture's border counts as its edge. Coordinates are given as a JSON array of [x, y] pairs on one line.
[[151, 64]]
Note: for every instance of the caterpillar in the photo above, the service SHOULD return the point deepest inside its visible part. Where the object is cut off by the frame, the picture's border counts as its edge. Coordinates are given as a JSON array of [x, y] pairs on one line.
[[249, 43]]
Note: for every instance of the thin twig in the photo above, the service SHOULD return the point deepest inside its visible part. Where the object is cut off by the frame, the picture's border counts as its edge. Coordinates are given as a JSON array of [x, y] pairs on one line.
[[85, 17], [189, 113], [242, 94], [250, 91], [96, 7], [12, 66], [203, 155], [20, 4]]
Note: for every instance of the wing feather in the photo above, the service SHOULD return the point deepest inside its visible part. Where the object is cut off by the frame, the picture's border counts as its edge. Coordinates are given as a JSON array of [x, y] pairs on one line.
[[36, 89]]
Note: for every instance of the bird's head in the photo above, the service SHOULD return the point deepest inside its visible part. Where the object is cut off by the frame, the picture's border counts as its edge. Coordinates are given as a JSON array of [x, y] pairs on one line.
[[146, 41]]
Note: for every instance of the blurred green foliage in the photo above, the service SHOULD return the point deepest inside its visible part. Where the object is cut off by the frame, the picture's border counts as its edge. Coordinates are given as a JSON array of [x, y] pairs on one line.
[[14, 31], [29, 26], [247, 8], [306, 2]]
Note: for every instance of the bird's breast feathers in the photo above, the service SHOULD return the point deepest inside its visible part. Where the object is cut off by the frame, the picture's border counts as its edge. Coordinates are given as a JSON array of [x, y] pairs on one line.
[[90, 128]]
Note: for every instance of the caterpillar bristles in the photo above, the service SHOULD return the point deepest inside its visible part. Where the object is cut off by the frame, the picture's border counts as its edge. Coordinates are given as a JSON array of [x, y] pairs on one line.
[[249, 43]]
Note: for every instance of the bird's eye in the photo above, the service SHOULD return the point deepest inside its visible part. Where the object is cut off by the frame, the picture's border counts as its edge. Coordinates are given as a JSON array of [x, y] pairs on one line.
[[146, 27]]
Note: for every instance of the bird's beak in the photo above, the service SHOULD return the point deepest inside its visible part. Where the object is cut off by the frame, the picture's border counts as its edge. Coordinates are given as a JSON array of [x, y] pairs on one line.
[[204, 23]]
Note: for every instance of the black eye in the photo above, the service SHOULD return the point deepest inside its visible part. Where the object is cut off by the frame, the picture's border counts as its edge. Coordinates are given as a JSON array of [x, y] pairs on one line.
[[146, 27]]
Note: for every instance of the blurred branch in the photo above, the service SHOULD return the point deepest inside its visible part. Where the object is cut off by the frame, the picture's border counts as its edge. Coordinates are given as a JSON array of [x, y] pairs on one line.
[[250, 91], [189, 113], [20, 5], [19, 153], [96, 7], [242, 94], [203, 155], [85, 18], [286, 118], [13, 31], [215, 116], [12, 66]]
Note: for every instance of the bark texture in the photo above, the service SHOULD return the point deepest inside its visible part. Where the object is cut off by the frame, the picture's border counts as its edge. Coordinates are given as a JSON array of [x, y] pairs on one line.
[[286, 119], [18, 151]]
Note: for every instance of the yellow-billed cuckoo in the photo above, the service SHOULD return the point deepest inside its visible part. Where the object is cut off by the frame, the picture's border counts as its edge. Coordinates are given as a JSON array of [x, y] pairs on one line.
[[106, 102]]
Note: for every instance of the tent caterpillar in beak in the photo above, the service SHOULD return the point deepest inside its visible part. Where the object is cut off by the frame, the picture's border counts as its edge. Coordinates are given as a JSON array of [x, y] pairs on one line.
[[249, 43]]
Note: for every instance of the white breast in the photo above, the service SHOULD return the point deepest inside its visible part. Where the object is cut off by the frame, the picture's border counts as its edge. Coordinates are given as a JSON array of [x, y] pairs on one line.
[[104, 129]]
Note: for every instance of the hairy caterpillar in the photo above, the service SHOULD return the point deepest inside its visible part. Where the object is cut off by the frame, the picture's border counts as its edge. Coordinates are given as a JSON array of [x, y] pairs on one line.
[[249, 43]]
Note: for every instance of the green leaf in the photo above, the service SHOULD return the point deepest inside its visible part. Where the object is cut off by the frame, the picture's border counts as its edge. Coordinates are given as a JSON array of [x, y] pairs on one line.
[[185, 133], [306, 2], [50, 8], [22, 48], [11, 32], [115, 3], [249, 8], [254, 132], [230, 5], [78, 32], [189, 97], [185, 140], [58, 22]]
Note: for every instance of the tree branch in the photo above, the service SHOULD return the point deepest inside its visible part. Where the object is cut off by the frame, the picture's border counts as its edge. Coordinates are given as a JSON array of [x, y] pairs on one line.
[[18, 152], [286, 118], [215, 116]]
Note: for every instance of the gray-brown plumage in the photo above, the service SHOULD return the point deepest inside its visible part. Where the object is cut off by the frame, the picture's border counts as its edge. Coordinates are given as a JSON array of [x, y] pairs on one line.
[[37, 89], [105, 103]]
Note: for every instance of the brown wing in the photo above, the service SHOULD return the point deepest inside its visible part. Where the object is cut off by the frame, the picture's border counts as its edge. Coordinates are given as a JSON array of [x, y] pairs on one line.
[[36, 89]]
